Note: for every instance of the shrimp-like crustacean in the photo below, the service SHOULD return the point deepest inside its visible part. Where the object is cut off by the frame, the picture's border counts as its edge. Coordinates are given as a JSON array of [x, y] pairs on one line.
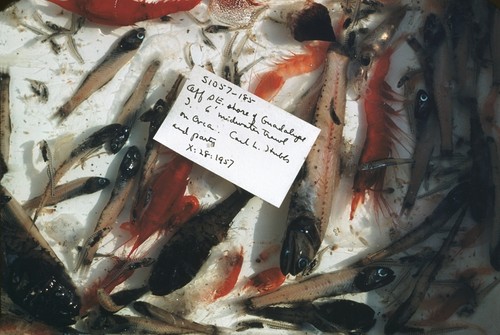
[[124, 13], [164, 205], [230, 263], [272, 81], [380, 135]]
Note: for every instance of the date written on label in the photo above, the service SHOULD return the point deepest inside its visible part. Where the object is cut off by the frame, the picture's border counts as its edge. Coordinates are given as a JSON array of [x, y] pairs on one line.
[[237, 135], [206, 153]]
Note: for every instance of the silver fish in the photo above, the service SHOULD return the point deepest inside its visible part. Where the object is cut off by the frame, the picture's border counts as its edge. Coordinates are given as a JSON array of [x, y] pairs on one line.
[[104, 71]]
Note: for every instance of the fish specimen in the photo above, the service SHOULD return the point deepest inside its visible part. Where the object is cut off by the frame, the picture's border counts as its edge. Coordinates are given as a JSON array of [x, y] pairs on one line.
[[104, 71]]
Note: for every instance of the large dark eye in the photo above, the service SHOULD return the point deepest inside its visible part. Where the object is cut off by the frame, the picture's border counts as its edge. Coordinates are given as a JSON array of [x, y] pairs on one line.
[[422, 102], [365, 59], [140, 35], [302, 263], [382, 272]]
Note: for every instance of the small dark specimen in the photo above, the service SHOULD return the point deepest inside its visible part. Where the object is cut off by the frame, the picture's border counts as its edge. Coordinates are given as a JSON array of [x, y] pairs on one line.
[[184, 254], [312, 23]]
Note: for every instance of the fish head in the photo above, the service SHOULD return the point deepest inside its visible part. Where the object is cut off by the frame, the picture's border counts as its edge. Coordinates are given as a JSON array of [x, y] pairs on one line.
[[133, 39], [118, 141], [302, 241], [373, 277]]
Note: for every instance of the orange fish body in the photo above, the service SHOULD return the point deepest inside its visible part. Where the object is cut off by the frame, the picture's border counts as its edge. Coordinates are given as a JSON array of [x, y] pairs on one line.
[[124, 13]]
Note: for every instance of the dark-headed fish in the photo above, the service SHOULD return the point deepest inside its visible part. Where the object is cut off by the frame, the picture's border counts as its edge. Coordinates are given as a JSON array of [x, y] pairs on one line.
[[105, 71]]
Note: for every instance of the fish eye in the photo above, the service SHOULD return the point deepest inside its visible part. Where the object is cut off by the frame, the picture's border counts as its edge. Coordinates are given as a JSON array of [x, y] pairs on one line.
[[302, 263], [423, 97], [365, 59], [382, 272]]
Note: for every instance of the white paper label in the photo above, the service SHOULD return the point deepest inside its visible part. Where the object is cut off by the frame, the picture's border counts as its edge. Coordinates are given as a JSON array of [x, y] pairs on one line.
[[237, 135]]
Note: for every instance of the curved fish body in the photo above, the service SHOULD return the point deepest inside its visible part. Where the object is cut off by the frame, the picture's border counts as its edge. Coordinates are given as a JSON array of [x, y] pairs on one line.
[[184, 254], [33, 276], [312, 195], [124, 183], [105, 71], [349, 280]]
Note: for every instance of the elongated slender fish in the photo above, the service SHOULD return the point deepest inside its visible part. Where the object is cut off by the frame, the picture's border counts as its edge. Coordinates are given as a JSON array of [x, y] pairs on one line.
[[441, 80], [427, 128], [312, 196], [124, 183], [128, 113], [105, 71], [348, 280], [184, 254], [69, 190]]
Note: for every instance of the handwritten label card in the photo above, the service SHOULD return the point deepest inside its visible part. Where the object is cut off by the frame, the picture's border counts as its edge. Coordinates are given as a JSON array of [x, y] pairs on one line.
[[237, 135]]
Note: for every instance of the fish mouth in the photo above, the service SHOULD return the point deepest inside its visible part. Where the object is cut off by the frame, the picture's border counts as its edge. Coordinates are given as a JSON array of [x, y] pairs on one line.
[[302, 241]]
